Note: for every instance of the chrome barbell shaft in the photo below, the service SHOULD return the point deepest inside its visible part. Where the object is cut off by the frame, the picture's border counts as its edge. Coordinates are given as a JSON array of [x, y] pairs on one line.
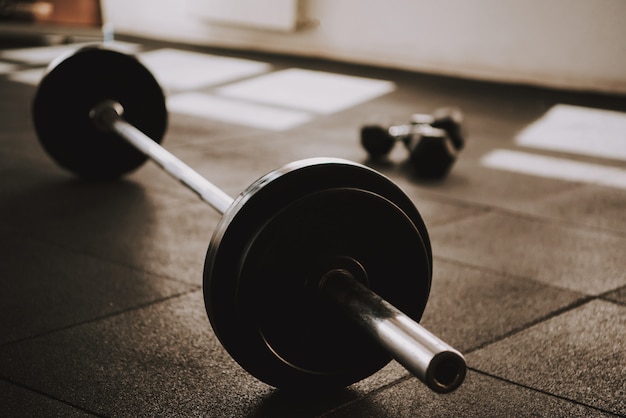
[[438, 365], [108, 116]]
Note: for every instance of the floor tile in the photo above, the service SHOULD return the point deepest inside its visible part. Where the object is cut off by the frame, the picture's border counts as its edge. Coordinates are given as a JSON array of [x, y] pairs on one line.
[[538, 250], [23, 147], [21, 402], [569, 129], [31, 76], [618, 295], [577, 355], [46, 287], [463, 301], [480, 396], [118, 221], [159, 360], [437, 212], [233, 164], [15, 104], [555, 168], [315, 91], [177, 69], [7, 68], [597, 207], [202, 133], [237, 112]]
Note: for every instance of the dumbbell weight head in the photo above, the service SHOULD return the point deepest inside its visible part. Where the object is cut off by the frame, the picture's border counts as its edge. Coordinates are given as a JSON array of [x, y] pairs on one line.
[[69, 90], [431, 152], [449, 118], [275, 243], [376, 140]]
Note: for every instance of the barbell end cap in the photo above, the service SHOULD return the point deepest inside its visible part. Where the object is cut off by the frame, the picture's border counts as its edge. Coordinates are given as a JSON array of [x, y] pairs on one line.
[[446, 371], [105, 113]]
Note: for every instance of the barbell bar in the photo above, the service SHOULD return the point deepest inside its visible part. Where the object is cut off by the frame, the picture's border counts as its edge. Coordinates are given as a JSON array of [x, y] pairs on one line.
[[107, 116], [305, 268]]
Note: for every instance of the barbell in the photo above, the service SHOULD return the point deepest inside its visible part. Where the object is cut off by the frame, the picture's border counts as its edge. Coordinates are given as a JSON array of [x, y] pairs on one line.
[[316, 275]]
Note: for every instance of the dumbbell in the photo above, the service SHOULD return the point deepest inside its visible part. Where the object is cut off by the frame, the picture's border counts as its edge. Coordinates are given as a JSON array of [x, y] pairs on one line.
[[316, 275], [433, 140]]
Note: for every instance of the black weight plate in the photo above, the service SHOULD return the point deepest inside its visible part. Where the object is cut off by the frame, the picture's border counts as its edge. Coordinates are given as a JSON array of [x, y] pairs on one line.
[[275, 242], [72, 86]]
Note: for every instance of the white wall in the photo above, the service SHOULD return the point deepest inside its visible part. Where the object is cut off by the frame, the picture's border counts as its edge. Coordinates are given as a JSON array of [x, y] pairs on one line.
[[572, 44]]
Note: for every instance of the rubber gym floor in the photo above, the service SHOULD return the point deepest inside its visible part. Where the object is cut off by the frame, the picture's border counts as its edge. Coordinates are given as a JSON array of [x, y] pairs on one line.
[[101, 307]]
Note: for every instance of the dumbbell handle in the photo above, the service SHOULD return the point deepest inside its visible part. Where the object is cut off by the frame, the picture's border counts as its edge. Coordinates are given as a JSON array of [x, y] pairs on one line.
[[434, 362], [108, 116]]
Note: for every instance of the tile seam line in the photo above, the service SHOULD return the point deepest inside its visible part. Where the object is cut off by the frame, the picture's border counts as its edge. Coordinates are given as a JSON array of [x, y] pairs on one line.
[[371, 393], [409, 376], [561, 222], [211, 87], [450, 199], [488, 209], [604, 297], [461, 218], [128, 266], [514, 276], [544, 392], [49, 396], [582, 300], [553, 314], [259, 102], [100, 317], [465, 204], [218, 140], [577, 157]]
